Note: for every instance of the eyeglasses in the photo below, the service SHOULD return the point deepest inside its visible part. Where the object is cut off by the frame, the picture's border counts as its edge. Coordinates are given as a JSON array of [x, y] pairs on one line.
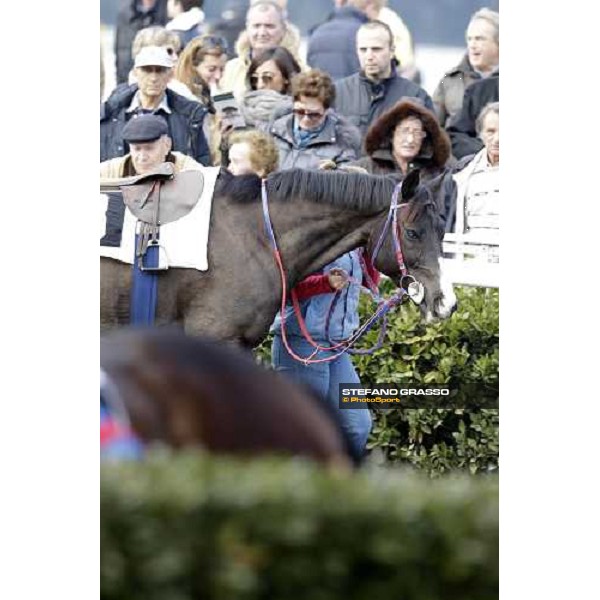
[[266, 78], [309, 114], [418, 134]]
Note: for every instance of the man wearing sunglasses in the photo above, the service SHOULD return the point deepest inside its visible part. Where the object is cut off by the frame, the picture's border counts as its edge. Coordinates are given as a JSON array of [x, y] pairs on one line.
[[366, 95]]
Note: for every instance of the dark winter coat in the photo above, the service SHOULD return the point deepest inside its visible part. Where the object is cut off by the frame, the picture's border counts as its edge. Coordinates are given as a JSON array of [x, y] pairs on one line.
[[339, 141], [129, 21], [363, 101], [434, 159], [185, 125], [461, 129], [448, 95], [332, 45]]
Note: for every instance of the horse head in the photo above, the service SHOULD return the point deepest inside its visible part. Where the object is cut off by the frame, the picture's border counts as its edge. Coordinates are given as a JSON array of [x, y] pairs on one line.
[[418, 229]]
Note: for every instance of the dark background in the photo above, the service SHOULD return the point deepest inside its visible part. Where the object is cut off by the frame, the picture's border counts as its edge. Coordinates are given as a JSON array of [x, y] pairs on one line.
[[437, 22]]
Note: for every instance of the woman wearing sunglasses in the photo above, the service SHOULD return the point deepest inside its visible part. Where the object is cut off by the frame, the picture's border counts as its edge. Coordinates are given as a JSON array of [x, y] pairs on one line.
[[313, 133], [307, 137], [268, 87]]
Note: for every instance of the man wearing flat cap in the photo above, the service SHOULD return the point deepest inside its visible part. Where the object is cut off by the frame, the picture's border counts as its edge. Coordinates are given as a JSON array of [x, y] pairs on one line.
[[184, 118], [147, 136]]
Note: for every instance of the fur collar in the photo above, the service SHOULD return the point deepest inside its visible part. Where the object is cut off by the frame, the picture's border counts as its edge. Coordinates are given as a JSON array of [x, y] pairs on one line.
[[436, 146]]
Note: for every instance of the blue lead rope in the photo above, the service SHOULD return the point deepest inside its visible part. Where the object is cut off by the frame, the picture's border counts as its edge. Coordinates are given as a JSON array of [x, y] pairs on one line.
[[144, 288]]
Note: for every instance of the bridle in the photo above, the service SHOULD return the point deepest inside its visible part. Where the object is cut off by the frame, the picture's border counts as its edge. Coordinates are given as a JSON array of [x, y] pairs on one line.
[[413, 290]]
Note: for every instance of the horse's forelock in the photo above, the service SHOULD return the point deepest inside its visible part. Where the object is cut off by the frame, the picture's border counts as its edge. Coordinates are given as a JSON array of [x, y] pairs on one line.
[[418, 204]]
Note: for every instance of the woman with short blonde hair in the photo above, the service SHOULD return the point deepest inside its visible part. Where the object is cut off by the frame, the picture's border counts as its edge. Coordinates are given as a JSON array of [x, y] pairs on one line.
[[252, 151]]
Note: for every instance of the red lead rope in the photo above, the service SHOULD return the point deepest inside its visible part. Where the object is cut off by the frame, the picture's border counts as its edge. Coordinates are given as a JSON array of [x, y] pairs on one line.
[[382, 308], [307, 359]]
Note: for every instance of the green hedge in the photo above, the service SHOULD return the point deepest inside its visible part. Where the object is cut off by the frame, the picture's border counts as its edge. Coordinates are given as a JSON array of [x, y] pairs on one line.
[[462, 349], [206, 528]]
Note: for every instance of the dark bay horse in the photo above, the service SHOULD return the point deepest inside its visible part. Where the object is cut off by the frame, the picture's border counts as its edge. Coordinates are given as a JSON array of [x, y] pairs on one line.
[[316, 216], [186, 391]]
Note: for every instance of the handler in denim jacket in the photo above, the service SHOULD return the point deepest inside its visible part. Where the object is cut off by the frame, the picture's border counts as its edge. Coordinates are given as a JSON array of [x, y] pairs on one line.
[[316, 293]]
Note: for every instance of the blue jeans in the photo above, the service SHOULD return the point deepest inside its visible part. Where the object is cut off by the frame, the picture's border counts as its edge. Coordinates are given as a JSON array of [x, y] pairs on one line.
[[324, 378]]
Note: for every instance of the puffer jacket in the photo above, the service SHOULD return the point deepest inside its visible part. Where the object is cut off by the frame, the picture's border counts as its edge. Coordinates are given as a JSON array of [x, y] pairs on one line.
[[344, 319], [434, 161], [185, 125], [236, 69], [448, 95], [332, 45], [338, 141], [260, 108], [362, 101], [129, 21]]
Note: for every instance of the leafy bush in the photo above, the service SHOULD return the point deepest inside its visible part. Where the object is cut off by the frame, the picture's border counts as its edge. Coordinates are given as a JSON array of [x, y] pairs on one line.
[[461, 350], [199, 527]]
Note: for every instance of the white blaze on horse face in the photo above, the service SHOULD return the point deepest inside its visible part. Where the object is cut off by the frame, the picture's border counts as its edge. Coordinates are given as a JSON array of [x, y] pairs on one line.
[[447, 303]]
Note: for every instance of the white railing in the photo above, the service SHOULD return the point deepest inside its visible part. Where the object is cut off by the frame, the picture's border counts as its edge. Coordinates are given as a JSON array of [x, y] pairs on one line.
[[473, 259]]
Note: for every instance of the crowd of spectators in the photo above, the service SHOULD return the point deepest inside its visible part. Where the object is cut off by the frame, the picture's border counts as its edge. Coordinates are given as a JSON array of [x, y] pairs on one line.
[[356, 102]]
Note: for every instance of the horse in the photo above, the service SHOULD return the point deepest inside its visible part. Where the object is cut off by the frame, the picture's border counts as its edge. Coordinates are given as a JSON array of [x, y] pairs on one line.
[[316, 216], [185, 391]]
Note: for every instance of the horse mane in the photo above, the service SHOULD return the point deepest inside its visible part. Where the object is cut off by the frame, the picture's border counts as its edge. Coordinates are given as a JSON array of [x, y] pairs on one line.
[[364, 193], [241, 188]]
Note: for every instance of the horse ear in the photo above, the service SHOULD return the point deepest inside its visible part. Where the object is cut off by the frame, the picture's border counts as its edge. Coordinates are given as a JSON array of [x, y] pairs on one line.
[[410, 184]]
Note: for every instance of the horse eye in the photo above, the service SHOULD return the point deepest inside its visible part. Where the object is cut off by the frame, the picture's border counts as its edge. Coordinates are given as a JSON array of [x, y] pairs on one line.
[[411, 234]]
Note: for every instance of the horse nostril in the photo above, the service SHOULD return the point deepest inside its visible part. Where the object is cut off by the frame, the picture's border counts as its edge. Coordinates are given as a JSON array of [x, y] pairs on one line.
[[454, 308]]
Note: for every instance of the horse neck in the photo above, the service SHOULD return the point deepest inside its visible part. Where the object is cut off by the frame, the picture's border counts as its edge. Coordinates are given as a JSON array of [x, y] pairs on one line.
[[311, 235]]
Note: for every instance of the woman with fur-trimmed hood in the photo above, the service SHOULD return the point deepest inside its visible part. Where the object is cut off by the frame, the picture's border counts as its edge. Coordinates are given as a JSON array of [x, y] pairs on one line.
[[405, 137]]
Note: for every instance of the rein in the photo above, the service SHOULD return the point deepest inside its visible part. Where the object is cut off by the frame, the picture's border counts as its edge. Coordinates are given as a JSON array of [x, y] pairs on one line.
[[415, 291]]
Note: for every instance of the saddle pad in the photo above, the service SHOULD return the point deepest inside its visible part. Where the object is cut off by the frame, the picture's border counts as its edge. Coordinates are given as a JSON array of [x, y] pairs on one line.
[[185, 240]]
